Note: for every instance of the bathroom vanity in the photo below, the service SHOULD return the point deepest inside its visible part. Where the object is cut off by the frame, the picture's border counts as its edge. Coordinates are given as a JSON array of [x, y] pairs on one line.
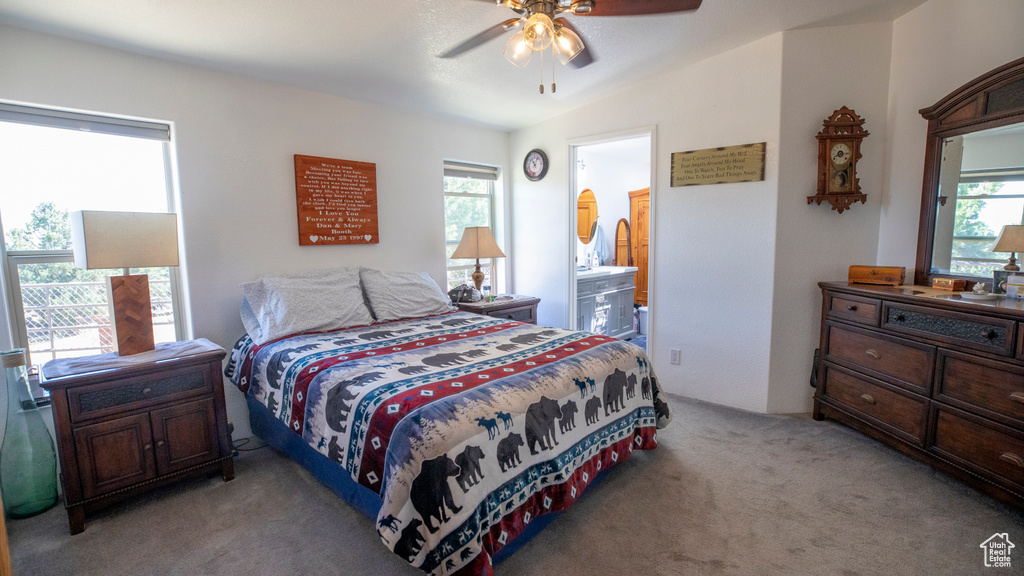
[[604, 300]]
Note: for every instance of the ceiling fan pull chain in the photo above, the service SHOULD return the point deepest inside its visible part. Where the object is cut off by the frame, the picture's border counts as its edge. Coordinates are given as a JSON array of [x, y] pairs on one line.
[[542, 72], [552, 71]]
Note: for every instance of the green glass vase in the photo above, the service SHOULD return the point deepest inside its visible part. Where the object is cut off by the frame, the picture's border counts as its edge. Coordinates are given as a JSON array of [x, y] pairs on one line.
[[28, 463]]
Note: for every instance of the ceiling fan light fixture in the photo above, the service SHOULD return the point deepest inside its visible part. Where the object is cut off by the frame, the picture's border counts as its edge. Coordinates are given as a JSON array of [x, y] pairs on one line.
[[517, 51], [567, 44], [539, 31]]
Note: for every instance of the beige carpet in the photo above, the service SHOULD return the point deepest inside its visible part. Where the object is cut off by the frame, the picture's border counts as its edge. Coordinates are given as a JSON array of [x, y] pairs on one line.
[[728, 492]]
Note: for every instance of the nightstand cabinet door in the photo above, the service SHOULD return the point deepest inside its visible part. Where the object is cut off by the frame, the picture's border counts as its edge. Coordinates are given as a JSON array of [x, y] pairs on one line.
[[114, 454], [184, 435]]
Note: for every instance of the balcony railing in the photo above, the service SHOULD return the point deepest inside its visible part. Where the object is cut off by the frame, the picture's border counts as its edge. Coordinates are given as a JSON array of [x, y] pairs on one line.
[[73, 319]]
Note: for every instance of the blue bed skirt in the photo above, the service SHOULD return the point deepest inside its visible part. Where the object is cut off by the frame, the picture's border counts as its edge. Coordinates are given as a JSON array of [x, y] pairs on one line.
[[275, 433]]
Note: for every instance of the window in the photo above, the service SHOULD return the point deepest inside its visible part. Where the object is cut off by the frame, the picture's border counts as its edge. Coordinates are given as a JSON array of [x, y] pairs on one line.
[[52, 163], [985, 202], [469, 200]]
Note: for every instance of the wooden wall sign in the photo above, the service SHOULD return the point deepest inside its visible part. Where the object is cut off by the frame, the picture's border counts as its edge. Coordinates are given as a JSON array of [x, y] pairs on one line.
[[724, 165], [337, 201]]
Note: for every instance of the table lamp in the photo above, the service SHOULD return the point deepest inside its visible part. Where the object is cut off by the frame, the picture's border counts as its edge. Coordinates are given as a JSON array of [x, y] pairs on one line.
[[477, 242], [126, 240], [1011, 239]]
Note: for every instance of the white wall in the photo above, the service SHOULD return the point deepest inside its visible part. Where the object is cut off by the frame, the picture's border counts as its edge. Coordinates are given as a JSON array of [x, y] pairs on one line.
[[815, 243], [235, 139], [938, 47], [715, 311]]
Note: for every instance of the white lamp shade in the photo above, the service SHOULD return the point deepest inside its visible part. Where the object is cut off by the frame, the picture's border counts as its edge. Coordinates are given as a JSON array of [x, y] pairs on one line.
[[477, 242], [124, 239], [1011, 239]]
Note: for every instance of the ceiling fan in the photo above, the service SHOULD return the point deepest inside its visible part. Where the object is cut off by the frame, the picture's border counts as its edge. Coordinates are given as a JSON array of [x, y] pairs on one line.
[[544, 24]]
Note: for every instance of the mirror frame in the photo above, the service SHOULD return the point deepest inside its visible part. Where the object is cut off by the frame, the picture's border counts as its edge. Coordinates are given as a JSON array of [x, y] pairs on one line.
[[593, 225], [629, 243], [967, 109]]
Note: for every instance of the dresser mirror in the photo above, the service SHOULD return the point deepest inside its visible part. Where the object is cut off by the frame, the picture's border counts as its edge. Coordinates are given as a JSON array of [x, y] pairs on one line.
[[973, 176], [586, 216]]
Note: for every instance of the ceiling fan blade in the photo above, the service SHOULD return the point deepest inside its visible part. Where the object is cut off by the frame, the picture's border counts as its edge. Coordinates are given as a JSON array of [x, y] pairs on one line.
[[639, 7], [481, 38], [587, 55]]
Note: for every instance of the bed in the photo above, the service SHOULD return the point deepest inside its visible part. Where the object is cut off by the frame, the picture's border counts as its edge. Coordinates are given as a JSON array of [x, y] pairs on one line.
[[460, 434]]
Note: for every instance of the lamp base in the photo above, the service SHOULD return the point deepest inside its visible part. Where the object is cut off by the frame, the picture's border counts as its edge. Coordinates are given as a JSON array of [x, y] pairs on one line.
[[131, 313], [478, 276], [1013, 263]]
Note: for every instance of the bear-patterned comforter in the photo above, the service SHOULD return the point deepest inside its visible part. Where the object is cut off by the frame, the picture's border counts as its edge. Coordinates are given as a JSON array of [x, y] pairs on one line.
[[468, 427]]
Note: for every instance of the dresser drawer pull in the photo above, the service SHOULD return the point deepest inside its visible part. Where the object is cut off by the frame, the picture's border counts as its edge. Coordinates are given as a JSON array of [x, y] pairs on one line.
[[147, 447], [147, 390], [868, 399], [873, 353], [899, 318], [852, 307], [1012, 459], [989, 334], [1017, 397]]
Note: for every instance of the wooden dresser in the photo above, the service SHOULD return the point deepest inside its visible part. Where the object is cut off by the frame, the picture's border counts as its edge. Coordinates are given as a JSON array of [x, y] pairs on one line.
[[125, 430], [939, 378]]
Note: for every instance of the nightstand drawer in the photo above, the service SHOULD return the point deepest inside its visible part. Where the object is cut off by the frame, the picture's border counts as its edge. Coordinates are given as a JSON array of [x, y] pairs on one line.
[[525, 314], [99, 400]]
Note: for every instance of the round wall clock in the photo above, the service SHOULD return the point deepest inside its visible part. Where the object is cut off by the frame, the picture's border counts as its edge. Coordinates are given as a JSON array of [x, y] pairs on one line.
[[535, 165]]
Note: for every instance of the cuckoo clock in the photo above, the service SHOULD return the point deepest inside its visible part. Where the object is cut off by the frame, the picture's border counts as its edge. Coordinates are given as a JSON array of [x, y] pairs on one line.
[[838, 153]]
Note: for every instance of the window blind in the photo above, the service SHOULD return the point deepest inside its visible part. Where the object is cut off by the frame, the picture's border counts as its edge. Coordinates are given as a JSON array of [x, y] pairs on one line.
[[84, 122], [461, 170]]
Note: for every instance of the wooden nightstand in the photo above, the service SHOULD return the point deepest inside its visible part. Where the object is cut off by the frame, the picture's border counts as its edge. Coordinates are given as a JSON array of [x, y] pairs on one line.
[[127, 429], [519, 308]]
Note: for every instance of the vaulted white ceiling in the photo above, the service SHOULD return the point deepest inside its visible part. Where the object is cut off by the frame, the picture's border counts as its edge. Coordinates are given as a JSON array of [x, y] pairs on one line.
[[386, 51]]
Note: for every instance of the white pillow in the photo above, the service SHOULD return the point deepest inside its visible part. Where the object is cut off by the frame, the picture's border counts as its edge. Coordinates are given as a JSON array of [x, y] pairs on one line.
[[395, 295], [318, 301]]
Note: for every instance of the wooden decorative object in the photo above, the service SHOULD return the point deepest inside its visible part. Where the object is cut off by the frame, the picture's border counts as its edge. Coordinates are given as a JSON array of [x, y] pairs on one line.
[[623, 244], [132, 313], [886, 275], [838, 153], [951, 284], [337, 201]]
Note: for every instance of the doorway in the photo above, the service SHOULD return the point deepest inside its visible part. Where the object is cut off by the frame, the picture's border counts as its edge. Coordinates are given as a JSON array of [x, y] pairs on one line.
[[610, 186]]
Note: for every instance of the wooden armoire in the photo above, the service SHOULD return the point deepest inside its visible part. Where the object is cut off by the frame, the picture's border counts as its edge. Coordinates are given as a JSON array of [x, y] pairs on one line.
[[639, 218]]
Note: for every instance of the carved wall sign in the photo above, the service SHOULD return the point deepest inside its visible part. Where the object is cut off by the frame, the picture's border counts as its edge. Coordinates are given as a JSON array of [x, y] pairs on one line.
[[337, 201], [718, 165]]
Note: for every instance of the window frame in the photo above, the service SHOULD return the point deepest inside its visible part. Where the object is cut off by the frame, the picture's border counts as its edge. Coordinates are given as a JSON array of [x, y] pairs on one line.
[[489, 175], [10, 260], [1015, 174]]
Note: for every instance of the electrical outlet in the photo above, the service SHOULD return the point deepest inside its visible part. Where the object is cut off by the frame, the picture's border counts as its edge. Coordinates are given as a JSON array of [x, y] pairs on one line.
[[674, 358]]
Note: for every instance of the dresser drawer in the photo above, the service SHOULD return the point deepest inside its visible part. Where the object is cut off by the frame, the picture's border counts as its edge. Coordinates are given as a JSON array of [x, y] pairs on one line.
[[902, 362], [989, 448], [981, 385], [854, 308], [116, 396], [901, 412], [995, 335]]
